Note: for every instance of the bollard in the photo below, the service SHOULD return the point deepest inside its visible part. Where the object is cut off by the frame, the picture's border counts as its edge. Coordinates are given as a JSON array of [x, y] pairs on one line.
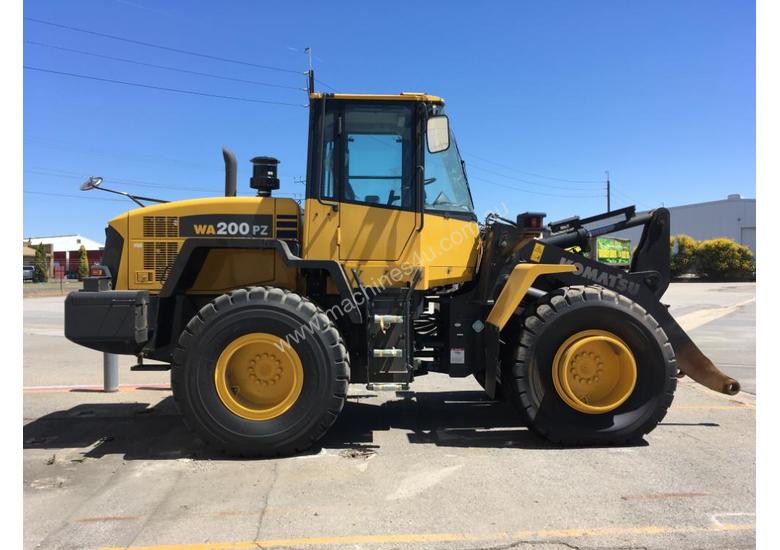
[[110, 372]]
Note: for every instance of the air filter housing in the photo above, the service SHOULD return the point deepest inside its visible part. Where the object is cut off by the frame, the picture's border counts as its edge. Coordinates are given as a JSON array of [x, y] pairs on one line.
[[264, 175]]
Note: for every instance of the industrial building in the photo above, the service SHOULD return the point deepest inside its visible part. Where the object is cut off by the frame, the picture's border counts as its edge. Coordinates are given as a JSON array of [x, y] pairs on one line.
[[65, 253], [733, 218]]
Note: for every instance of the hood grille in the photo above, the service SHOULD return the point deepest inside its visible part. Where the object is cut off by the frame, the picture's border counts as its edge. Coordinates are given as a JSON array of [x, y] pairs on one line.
[[159, 257], [161, 227]]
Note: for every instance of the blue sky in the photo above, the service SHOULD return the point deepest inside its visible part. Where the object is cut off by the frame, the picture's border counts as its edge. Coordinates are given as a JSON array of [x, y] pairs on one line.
[[543, 97]]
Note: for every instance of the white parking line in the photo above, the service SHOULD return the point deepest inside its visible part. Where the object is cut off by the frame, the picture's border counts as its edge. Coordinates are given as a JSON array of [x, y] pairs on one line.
[[696, 319], [719, 524]]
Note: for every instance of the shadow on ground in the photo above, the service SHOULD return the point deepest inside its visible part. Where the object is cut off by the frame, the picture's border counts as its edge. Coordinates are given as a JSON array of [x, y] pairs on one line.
[[140, 432]]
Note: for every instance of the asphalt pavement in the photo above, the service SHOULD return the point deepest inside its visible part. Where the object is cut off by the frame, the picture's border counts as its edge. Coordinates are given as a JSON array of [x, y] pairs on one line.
[[441, 467]]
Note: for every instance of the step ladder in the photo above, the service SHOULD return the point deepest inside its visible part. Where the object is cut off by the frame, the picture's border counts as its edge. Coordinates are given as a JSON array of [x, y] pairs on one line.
[[389, 337]]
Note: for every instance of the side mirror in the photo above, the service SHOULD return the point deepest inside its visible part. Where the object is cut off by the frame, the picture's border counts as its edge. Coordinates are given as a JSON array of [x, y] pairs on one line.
[[91, 183], [438, 132]]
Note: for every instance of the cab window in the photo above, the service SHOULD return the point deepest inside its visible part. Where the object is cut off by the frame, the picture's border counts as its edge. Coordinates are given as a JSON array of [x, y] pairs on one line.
[[378, 155], [445, 185], [328, 189]]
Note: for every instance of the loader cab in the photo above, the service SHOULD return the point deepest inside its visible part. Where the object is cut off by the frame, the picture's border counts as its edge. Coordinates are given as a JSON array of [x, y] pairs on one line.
[[377, 192]]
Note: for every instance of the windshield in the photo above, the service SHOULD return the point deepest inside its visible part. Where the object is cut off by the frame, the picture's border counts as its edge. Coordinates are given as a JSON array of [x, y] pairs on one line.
[[446, 188]]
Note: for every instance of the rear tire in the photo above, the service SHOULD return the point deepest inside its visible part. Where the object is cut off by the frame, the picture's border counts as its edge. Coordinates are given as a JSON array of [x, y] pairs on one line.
[[558, 316], [310, 406]]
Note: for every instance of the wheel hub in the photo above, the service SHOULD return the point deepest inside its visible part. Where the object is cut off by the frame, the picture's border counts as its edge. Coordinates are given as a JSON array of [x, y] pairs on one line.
[[594, 371], [265, 369], [258, 376]]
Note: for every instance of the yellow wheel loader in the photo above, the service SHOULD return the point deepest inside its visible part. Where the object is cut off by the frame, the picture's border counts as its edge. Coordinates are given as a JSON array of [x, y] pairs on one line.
[[264, 313]]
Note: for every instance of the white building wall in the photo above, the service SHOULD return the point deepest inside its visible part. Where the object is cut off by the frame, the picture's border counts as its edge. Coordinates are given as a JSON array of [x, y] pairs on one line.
[[65, 243], [733, 218]]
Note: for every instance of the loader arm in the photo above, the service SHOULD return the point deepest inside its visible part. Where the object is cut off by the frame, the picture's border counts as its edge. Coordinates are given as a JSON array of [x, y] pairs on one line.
[[690, 359], [644, 283]]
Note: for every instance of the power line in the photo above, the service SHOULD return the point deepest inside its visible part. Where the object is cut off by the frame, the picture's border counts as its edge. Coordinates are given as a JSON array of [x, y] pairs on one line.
[[132, 183], [168, 48], [326, 85], [136, 84], [295, 195], [631, 199], [56, 173], [528, 182], [522, 180], [165, 67], [50, 143], [532, 173], [71, 196], [515, 188]]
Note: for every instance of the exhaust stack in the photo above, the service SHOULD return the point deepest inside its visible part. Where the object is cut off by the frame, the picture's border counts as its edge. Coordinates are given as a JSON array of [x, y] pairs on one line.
[[231, 169]]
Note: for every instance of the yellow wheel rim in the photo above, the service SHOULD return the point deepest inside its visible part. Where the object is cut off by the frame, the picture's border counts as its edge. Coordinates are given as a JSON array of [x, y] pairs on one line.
[[594, 371], [258, 376]]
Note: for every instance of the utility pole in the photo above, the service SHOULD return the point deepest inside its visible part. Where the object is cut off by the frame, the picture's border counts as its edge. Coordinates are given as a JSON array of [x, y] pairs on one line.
[[609, 192], [310, 72]]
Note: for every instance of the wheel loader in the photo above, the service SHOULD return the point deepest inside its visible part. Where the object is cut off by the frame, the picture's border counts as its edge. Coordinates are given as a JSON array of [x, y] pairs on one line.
[[265, 312]]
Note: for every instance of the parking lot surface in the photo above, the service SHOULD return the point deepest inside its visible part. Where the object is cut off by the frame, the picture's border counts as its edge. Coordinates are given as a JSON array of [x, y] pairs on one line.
[[440, 467]]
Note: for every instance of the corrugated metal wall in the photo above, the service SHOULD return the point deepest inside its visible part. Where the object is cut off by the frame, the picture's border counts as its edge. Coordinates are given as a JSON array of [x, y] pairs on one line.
[[732, 218]]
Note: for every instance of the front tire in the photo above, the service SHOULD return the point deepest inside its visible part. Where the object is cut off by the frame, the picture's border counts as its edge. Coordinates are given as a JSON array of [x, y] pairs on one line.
[[480, 378], [260, 372], [623, 384]]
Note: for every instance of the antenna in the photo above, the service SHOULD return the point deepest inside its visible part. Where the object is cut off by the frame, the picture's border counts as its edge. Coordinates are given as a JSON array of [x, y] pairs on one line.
[[310, 72], [609, 191]]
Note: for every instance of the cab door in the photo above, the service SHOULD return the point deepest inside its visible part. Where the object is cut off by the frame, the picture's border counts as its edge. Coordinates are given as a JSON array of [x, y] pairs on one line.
[[321, 225], [377, 214]]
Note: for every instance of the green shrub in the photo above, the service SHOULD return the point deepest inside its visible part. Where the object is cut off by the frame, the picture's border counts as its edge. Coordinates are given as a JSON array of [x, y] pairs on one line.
[[83, 262], [683, 258], [719, 259], [40, 265]]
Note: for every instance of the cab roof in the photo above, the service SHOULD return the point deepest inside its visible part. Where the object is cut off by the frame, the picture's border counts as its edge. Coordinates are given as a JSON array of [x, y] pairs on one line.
[[403, 96]]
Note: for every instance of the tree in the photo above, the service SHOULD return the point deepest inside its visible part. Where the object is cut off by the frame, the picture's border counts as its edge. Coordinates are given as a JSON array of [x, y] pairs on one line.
[[40, 265], [720, 259], [83, 262], [683, 259]]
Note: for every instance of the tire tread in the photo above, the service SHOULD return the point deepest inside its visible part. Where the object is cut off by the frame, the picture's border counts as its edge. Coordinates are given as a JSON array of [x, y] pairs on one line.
[[558, 303], [308, 310]]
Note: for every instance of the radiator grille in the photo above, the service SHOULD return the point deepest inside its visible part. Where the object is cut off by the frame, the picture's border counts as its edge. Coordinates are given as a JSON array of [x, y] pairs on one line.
[[159, 257], [161, 226]]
